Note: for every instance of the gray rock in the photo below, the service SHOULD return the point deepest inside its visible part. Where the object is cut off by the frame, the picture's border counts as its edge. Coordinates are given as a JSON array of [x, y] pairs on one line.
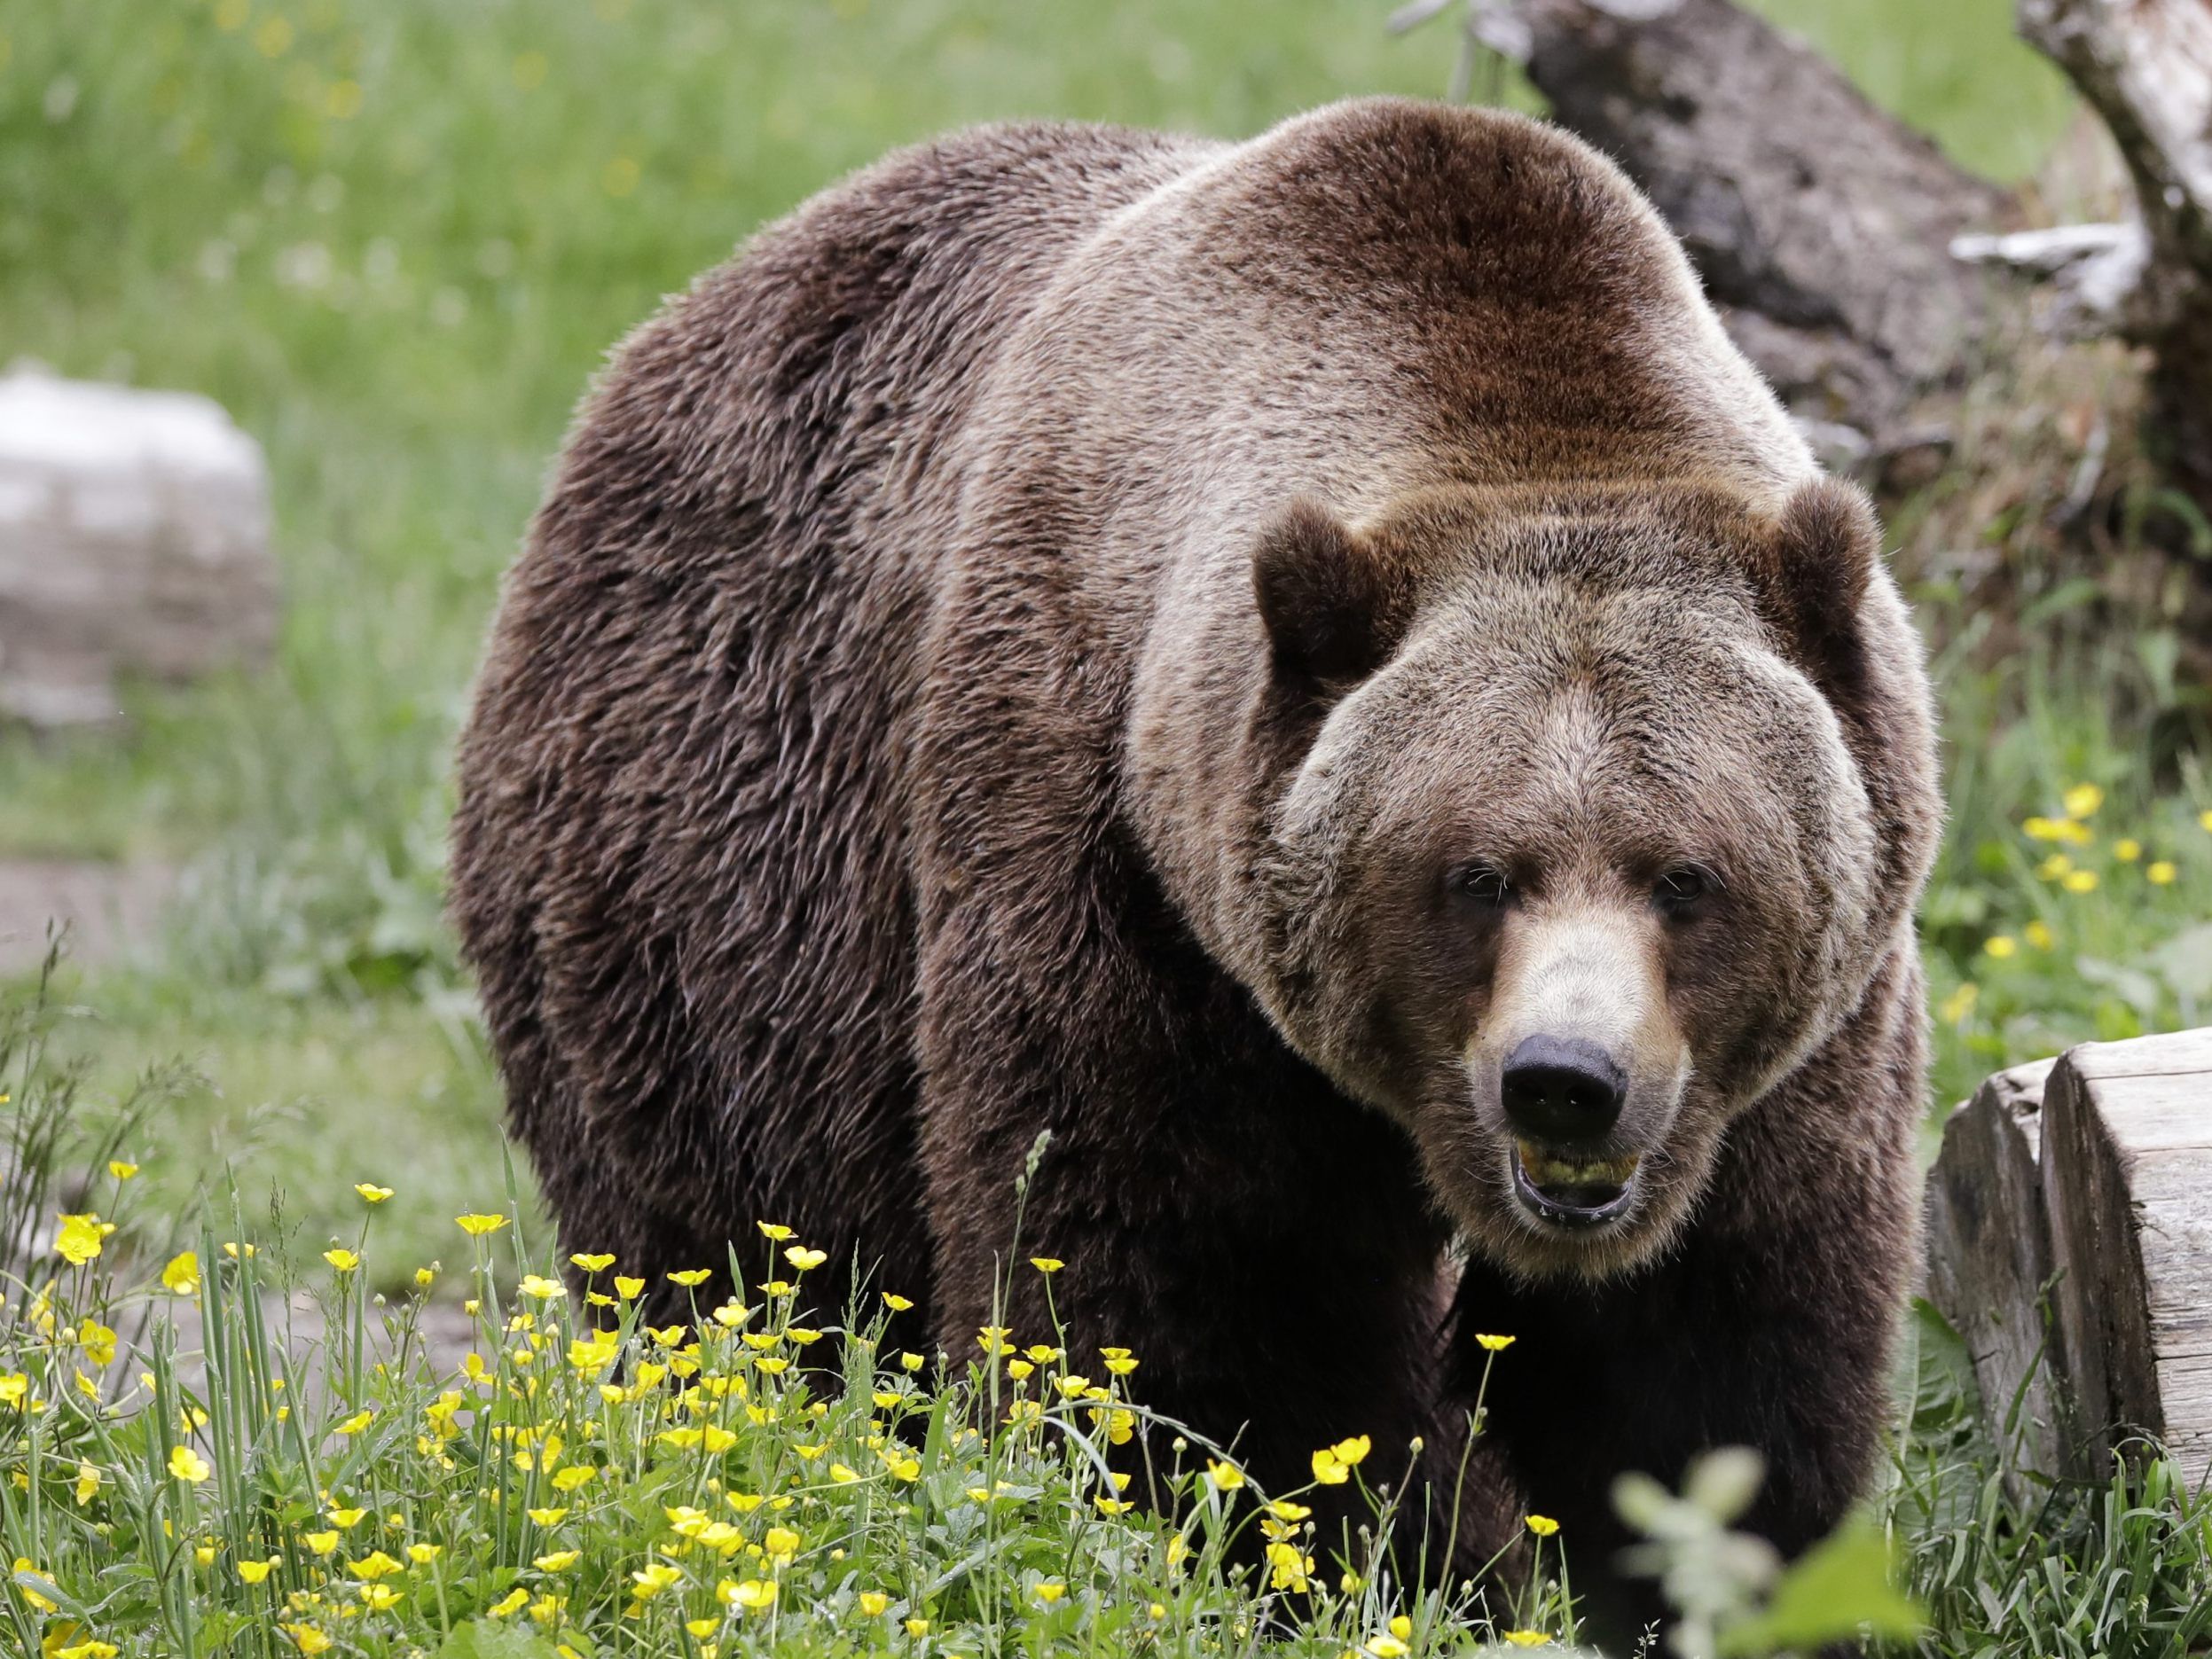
[[134, 540]]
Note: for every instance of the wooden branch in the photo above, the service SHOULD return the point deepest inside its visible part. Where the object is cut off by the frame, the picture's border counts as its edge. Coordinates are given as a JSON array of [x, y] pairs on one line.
[[2146, 67], [1821, 224]]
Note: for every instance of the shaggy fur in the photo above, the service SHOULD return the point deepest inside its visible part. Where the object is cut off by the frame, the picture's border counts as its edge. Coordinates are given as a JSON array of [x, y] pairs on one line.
[[1034, 643]]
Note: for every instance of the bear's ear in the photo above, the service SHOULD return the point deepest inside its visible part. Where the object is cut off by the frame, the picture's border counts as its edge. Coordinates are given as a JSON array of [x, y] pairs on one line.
[[1332, 612], [1814, 575]]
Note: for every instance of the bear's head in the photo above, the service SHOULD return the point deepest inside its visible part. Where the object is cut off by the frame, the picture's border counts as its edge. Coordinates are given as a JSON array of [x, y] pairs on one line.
[[1590, 816]]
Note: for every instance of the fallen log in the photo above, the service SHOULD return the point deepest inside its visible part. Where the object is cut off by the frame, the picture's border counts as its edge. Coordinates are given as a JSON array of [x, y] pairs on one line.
[[2146, 67], [2091, 1176]]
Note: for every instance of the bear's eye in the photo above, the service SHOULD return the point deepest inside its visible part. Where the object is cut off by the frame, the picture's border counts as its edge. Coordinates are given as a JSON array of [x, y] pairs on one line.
[[1484, 884], [1678, 891]]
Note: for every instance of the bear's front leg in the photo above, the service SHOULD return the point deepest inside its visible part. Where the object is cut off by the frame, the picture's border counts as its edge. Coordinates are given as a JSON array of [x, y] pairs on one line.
[[1769, 1323], [1260, 1243]]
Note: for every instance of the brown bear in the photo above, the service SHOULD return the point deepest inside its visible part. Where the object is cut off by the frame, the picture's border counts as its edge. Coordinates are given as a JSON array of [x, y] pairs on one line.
[[1311, 670]]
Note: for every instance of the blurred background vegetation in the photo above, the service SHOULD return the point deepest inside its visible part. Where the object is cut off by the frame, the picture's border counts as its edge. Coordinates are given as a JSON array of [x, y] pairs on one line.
[[396, 238]]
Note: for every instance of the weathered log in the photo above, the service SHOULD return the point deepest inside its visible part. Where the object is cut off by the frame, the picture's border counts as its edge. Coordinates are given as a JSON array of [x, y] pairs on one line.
[[1989, 1262], [1821, 224], [2126, 1176], [2146, 67]]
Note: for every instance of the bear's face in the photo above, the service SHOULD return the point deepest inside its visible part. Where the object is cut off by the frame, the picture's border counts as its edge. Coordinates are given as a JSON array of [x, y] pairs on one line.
[[1582, 861]]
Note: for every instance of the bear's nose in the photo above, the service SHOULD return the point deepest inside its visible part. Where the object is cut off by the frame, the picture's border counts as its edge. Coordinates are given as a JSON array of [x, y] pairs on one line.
[[1562, 1089]]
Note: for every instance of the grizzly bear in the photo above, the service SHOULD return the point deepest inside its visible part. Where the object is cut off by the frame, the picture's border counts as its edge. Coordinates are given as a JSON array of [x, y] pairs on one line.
[[1311, 670]]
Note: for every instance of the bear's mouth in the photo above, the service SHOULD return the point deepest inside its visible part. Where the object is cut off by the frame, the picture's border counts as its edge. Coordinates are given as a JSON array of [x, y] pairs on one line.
[[1571, 1192]]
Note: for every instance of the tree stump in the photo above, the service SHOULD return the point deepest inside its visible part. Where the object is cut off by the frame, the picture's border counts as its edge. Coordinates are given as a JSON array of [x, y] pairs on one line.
[[2093, 1175]]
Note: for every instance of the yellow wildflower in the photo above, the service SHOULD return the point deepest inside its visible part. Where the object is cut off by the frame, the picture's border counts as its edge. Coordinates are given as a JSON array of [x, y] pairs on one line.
[[2126, 850], [690, 1277], [2159, 873], [629, 1289], [556, 1560], [478, 1227], [374, 1565], [370, 1193], [753, 1594], [345, 1261], [380, 1598], [593, 1264], [80, 1236], [181, 1276], [2001, 945], [1227, 1476], [2038, 934], [512, 1602], [2081, 881], [650, 1581], [1047, 1263], [873, 1602], [307, 1639], [321, 1543], [769, 1230], [539, 1288], [1526, 1638], [88, 1484], [917, 1627], [423, 1555], [2083, 800], [255, 1572], [188, 1466], [121, 1171], [1495, 1344], [801, 1258], [897, 1304], [1543, 1526]]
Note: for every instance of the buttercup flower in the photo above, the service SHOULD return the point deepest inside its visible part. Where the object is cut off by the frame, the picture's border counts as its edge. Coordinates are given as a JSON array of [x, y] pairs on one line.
[[478, 1227]]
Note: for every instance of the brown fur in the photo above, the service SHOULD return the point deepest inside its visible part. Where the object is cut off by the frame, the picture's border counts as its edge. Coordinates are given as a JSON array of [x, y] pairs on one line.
[[1018, 649]]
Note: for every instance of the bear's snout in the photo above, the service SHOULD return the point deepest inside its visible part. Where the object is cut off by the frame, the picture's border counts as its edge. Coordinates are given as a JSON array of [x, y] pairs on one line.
[[1562, 1090]]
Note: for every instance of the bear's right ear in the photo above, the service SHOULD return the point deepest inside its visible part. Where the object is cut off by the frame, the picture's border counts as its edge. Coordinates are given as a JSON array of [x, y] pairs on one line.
[[1333, 614]]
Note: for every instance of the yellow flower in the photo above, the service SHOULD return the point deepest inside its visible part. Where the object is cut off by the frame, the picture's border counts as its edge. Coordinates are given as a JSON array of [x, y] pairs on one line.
[[2126, 850], [1047, 1263], [2038, 934], [370, 1193], [769, 1230], [917, 1627], [629, 1289], [380, 1598], [753, 1594], [344, 1261], [356, 1423], [424, 1275], [321, 1543], [873, 1602], [423, 1555], [1227, 1476], [79, 1238], [181, 1276], [1526, 1638], [2081, 881], [121, 1171], [540, 1288], [782, 1543], [1495, 1344], [477, 1227], [801, 1258], [1050, 1592], [2051, 868], [2204, 818], [374, 1565], [307, 1639], [88, 1484], [897, 1304], [690, 1277], [910, 1361], [2159, 873], [1543, 1526], [2043, 829], [1954, 1007], [188, 1466], [348, 1519], [1333, 1465], [14, 1388], [512, 1602], [556, 1560], [2083, 800], [702, 1628], [2001, 945], [593, 1264], [546, 1517], [650, 1581], [1385, 1648], [575, 1475], [1113, 1506], [97, 1341], [1401, 1627], [254, 1572]]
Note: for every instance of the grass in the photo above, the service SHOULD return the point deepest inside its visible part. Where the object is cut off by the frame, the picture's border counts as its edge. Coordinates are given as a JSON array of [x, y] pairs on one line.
[[396, 238]]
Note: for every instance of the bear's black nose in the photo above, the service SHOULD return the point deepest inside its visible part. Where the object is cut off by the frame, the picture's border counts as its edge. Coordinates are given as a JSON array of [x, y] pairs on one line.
[[1561, 1089]]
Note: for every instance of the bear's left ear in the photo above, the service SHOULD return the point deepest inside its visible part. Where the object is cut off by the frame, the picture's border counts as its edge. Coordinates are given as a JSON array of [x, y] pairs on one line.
[[1333, 607], [1813, 576]]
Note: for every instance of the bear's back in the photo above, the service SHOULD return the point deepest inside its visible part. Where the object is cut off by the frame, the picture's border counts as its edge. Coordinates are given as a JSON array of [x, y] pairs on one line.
[[676, 856]]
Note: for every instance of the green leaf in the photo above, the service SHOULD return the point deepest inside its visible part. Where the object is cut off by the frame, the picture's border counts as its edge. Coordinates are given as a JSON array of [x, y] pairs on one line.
[[1834, 1591], [487, 1639]]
